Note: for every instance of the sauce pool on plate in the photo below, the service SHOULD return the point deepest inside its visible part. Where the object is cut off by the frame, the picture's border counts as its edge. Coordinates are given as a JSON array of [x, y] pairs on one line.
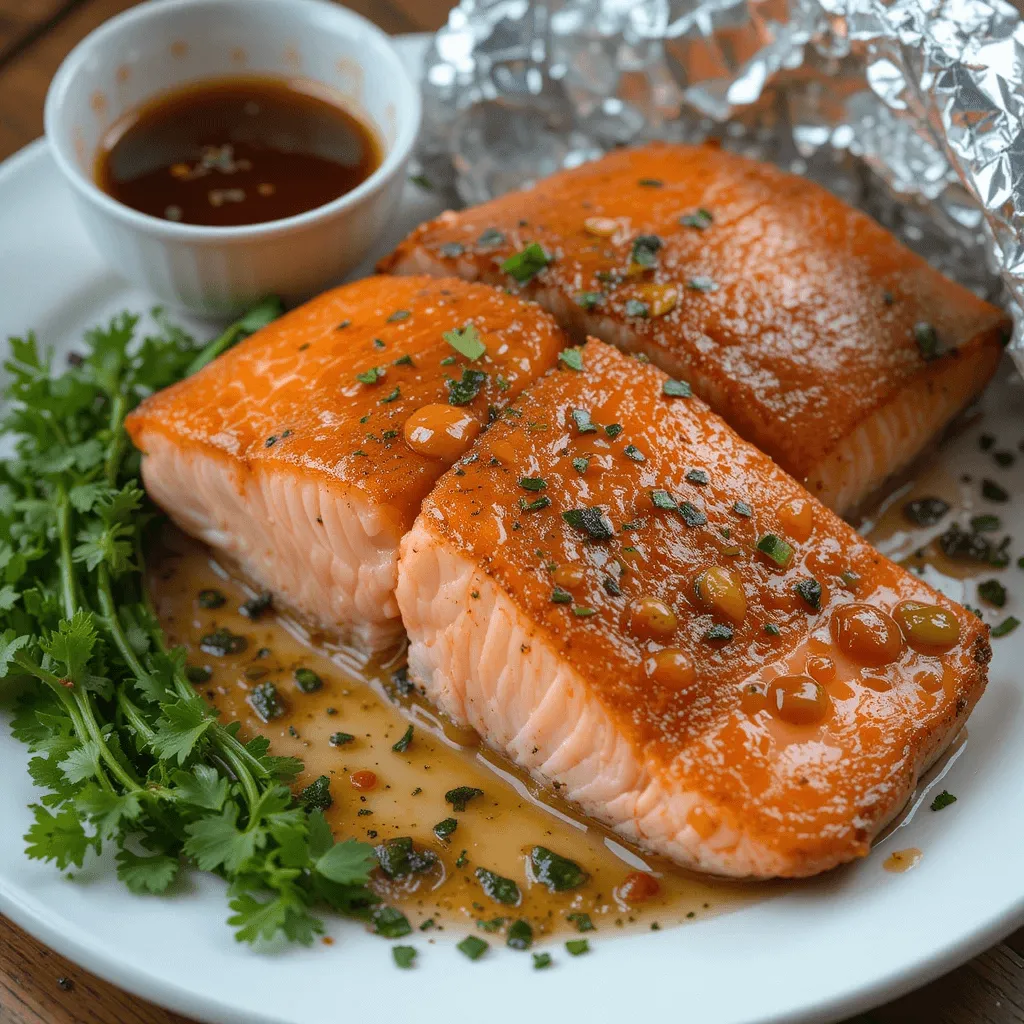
[[234, 151]]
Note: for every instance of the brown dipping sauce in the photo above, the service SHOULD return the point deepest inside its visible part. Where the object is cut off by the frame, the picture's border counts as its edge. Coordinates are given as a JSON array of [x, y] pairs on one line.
[[234, 151]]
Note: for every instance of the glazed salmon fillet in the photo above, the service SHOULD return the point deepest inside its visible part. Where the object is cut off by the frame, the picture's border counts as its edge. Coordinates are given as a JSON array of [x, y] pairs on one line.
[[644, 611], [304, 452], [807, 326]]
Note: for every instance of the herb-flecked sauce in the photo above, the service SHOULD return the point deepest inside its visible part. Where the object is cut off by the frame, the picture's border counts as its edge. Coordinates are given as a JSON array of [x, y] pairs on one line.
[[496, 831]]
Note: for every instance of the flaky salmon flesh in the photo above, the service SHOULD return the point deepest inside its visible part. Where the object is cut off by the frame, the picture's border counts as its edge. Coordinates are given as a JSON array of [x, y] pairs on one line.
[[304, 453], [644, 611], [808, 327]]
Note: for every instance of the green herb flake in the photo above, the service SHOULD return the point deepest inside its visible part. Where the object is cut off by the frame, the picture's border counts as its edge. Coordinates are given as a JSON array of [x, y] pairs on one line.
[[650, 183], [677, 389], [501, 890], [718, 633], [632, 452], [400, 858], [392, 396], [462, 392], [702, 284], [700, 219], [317, 795], [211, 599], [634, 307], [583, 422], [925, 511], [944, 799], [520, 935], [698, 477], [577, 947], [222, 642], [526, 263], [451, 249], [339, 739], [461, 795], [558, 873], [532, 483], [536, 505], [992, 592], [495, 924], [404, 956], [991, 491], [541, 960], [583, 612], [398, 316], [580, 464], [645, 250], [692, 515], [662, 499], [1006, 627], [986, 524], [307, 680], [254, 607], [590, 300], [372, 375], [775, 549], [927, 340], [581, 920], [198, 674], [403, 744], [491, 239], [466, 341], [473, 947], [390, 923], [405, 360], [809, 591], [444, 829], [771, 629], [591, 521], [560, 596]]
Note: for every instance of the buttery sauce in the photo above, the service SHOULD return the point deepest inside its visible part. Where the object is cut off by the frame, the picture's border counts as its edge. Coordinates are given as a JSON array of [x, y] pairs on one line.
[[380, 793], [234, 151]]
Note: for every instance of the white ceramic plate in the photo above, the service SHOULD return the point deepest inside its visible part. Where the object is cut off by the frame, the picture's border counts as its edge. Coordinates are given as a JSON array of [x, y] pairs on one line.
[[828, 949]]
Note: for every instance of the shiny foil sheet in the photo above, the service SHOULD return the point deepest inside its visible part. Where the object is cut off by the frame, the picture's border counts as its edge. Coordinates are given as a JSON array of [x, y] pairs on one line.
[[911, 109]]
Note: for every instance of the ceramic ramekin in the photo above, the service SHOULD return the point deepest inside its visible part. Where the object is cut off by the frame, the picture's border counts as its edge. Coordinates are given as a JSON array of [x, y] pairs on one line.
[[168, 43]]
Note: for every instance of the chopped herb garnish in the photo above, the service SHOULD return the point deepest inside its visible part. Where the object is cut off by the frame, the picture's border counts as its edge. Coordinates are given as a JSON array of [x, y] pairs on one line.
[[1004, 459], [927, 340], [560, 596], [591, 521], [462, 860], [718, 632], [270, 441], [256, 606], [650, 183], [343, 325], [634, 307], [991, 491], [307, 680], [810, 591], [422, 181], [399, 315], [771, 629], [925, 511], [632, 452], [372, 375], [403, 956], [577, 947], [211, 599], [701, 284], [390, 922], [198, 674], [741, 508], [491, 239], [699, 219], [645, 250], [444, 829], [692, 515], [472, 946], [532, 483], [580, 464], [1007, 626], [992, 592], [541, 960], [944, 799], [495, 924], [590, 300], [613, 430], [698, 477], [403, 744], [677, 389], [582, 921], [222, 642], [391, 396], [451, 249], [558, 873], [536, 505], [405, 360], [775, 549], [500, 889], [339, 739], [462, 392], [461, 795], [379, 343], [520, 935], [317, 795], [662, 499], [583, 612], [524, 264], [583, 422], [611, 586], [399, 858], [466, 341]]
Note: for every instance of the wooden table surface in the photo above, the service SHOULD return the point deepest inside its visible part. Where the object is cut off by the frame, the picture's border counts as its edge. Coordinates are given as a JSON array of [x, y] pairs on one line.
[[39, 987]]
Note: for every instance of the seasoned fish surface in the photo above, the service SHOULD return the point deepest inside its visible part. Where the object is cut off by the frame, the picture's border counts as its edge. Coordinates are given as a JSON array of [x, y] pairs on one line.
[[808, 327], [642, 609], [304, 452]]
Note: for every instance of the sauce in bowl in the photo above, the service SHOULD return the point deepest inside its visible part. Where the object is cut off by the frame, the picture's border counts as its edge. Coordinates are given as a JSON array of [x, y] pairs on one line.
[[234, 151]]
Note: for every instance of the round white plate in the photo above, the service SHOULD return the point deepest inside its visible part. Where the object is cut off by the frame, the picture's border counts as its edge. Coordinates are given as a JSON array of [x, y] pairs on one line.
[[832, 947]]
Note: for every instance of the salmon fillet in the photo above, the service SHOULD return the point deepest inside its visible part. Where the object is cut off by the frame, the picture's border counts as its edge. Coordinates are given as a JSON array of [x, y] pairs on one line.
[[645, 612], [807, 326], [289, 453]]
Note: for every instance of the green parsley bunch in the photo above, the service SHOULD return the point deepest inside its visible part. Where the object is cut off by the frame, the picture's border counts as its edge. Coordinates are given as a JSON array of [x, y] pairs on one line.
[[124, 749]]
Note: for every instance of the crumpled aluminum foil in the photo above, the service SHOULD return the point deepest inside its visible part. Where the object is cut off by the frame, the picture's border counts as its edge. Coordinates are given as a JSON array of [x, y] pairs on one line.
[[910, 109]]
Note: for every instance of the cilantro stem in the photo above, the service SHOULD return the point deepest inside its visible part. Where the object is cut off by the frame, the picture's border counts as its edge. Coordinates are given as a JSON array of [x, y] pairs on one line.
[[67, 569], [115, 453]]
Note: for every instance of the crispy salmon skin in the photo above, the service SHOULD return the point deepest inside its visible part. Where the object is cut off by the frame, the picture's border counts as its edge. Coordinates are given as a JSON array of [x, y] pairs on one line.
[[304, 452], [807, 326], [643, 610]]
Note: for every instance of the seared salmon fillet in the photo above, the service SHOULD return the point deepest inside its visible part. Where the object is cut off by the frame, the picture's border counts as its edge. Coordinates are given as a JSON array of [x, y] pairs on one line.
[[807, 326], [304, 452], [644, 611]]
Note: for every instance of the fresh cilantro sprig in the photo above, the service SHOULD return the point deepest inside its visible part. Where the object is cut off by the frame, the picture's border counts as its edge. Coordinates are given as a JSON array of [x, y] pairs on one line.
[[125, 750]]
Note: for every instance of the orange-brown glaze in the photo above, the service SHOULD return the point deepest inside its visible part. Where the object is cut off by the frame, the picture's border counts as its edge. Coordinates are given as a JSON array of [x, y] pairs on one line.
[[795, 316], [798, 751], [289, 395]]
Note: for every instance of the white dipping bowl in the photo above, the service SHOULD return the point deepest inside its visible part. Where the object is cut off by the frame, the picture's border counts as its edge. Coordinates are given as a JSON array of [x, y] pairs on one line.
[[165, 44]]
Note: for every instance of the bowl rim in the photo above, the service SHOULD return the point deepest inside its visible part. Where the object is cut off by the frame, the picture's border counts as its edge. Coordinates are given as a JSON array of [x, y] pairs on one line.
[[408, 107]]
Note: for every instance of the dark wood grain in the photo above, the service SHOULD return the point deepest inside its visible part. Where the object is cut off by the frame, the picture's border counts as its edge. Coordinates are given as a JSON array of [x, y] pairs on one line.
[[39, 987]]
